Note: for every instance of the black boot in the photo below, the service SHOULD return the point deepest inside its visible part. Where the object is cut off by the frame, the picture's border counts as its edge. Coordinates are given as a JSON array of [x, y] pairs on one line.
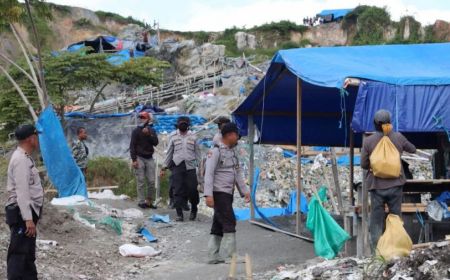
[[193, 216], [186, 207], [180, 217]]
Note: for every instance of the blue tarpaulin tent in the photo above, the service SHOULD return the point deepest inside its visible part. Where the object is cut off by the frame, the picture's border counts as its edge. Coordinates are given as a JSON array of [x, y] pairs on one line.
[[410, 80], [337, 14]]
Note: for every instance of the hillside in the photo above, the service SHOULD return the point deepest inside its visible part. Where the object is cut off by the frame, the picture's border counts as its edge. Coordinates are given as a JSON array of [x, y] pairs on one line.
[[365, 25]]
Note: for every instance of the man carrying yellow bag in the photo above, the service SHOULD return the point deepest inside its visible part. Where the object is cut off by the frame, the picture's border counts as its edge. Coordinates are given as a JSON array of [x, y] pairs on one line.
[[380, 155]]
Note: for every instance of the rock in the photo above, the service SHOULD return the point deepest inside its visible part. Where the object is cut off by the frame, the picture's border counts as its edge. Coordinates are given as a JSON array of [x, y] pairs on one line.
[[245, 40]]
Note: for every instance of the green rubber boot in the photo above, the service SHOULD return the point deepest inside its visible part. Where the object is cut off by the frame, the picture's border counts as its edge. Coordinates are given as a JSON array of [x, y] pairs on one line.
[[213, 250]]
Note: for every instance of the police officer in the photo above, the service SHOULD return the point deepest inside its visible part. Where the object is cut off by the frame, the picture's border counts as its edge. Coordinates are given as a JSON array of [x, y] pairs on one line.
[[183, 156], [217, 139], [222, 173], [23, 207]]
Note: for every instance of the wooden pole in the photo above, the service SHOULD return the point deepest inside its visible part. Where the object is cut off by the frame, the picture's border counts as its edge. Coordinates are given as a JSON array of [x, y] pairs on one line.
[[251, 136], [352, 166], [365, 215], [337, 187], [299, 155]]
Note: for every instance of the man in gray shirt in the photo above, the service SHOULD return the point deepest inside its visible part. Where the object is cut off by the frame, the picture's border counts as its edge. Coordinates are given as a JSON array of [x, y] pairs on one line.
[[223, 172], [182, 158], [23, 208], [383, 191]]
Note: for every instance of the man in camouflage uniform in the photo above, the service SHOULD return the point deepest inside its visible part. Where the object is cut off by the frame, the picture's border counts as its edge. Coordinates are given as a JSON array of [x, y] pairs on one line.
[[80, 151]]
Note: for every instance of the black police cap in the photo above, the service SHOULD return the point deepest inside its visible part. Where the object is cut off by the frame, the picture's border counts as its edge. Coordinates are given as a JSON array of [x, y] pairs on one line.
[[222, 120], [229, 128], [25, 131]]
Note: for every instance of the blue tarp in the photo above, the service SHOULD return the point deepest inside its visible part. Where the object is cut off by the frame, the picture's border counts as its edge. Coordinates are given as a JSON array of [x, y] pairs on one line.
[[243, 214], [162, 123], [414, 108], [337, 14], [326, 109], [62, 170]]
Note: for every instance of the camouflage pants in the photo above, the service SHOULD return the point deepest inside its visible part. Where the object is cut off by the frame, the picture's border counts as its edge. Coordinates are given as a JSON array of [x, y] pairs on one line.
[[145, 172]]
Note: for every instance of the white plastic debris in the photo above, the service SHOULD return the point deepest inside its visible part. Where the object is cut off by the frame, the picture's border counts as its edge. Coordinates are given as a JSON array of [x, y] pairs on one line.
[[172, 109], [132, 213], [130, 250], [46, 242], [82, 220], [107, 194], [70, 201]]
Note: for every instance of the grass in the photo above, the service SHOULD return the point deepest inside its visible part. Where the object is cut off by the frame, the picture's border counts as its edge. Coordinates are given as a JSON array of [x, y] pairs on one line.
[[106, 171]]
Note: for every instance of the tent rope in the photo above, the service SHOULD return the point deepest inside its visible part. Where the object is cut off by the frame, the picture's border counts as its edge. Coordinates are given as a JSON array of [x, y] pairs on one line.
[[438, 123]]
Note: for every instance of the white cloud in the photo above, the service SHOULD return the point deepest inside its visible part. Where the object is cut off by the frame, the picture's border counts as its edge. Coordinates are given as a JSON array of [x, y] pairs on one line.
[[210, 16]]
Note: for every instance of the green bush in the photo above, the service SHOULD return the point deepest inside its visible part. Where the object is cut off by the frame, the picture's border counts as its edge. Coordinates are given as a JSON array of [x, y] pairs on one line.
[[371, 23], [103, 16], [283, 27], [289, 45], [83, 23], [106, 171]]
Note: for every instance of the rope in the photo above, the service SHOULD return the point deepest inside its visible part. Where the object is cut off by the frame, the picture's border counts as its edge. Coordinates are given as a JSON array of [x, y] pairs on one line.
[[438, 123], [255, 186]]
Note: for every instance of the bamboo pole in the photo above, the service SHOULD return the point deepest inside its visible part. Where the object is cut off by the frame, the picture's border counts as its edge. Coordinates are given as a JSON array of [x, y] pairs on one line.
[[30, 65]]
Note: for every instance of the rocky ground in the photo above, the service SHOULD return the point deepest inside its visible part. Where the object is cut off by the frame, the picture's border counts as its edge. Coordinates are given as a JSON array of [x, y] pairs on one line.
[[86, 253]]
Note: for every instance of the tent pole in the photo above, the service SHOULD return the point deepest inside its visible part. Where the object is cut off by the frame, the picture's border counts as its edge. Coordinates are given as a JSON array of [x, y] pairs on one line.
[[251, 136], [352, 166], [299, 155]]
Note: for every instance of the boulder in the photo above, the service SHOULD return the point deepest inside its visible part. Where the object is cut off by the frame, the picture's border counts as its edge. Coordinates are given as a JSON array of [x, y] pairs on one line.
[[245, 40]]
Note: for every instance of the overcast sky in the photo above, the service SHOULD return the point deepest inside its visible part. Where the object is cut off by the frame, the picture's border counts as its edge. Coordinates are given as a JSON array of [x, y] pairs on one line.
[[216, 15]]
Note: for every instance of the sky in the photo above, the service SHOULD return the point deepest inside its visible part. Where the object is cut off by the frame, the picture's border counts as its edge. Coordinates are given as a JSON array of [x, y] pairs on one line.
[[217, 15]]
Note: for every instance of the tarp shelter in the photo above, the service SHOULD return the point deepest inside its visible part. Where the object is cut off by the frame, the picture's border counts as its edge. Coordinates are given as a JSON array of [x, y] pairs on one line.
[[123, 50], [303, 91], [334, 15], [412, 81]]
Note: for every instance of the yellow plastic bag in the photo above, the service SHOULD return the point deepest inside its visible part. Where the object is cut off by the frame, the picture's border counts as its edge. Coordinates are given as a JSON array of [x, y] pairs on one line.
[[385, 158], [395, 241]]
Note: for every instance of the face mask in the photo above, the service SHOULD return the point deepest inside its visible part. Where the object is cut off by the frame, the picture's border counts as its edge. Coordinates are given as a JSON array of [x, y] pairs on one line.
[[183, 127]]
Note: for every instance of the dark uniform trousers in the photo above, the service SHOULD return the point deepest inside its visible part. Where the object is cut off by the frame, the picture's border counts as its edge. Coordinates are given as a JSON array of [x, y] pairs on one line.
[[22, 249], [184, 186], [379, 197], [224, 220]]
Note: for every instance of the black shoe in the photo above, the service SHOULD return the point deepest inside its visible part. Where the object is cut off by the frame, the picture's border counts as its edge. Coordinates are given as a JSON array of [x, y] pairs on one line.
[[193, 216], [143, 205], [186, 207], [179, 219]]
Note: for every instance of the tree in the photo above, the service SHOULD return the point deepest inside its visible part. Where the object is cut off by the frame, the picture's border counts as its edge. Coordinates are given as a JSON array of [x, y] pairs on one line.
[[12, 12], [66, 74]]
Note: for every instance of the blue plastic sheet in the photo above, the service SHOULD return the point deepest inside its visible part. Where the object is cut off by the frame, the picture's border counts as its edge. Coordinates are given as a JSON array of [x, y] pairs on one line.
[[148, 235], [323, 72], [266, 213], [62, 169], [345, 160], [162, 123], [337, 13], [413, 108], [160, 218]]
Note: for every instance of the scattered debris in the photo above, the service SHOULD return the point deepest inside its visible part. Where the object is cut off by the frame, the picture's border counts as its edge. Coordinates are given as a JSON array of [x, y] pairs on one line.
[[130, 250]]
